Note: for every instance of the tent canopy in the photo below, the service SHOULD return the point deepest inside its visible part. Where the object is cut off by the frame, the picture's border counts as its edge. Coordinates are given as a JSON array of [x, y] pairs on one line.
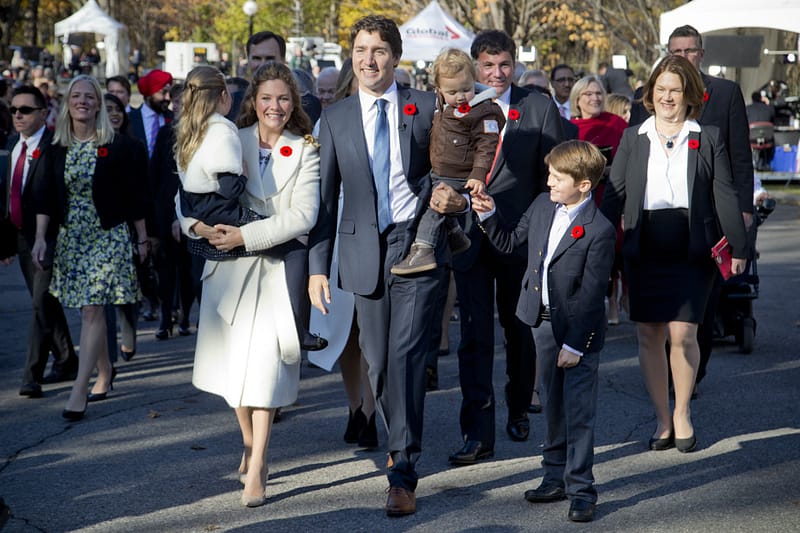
[[713, 15], [92, 19], [433, 29]]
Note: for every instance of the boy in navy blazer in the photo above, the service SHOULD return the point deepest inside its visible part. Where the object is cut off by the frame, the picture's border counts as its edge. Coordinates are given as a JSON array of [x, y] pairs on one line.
[[570, 252]]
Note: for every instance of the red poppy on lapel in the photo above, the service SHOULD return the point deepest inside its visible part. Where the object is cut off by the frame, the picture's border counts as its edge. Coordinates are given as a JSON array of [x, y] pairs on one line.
[[513, 114], [705, 96], [577, 232], [36, 153], [464, 108], [167, 120], [286, 151], [694, 144], [410, 109], [102, 151]]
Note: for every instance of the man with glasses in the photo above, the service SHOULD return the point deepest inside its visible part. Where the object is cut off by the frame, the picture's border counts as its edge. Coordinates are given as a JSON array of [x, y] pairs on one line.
[[48, 329], [724, 108], [562, 78]]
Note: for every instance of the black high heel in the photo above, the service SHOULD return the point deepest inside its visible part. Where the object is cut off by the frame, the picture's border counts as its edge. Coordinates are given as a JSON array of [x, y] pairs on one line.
[[184, 330], [73, 416], [97, 397], [125, 354]]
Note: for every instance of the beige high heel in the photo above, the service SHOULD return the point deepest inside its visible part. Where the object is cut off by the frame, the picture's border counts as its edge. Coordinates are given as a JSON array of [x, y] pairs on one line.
[[255, 501]]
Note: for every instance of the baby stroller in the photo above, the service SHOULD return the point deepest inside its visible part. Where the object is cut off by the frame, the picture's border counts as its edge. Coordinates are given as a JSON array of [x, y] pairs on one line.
[[735, 308]]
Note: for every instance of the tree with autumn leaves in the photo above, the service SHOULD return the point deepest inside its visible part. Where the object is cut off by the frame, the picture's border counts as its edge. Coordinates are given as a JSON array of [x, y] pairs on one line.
[[579, 32]]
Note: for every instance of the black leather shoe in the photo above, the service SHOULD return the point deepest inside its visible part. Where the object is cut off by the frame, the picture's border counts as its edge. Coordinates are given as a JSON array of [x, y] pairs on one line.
[[313, 343], [472, 452], [664, 443], [581, 511], [369, 434], [686, 445], [31, 390], [519, 429], [356, 421], [545, 494]]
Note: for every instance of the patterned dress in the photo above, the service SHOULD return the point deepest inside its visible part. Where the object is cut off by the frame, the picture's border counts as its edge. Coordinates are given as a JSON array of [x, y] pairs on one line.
[[92, 266]]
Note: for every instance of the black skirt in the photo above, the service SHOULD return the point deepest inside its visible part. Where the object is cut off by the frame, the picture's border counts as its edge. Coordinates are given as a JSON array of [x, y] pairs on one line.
[[664, 284]]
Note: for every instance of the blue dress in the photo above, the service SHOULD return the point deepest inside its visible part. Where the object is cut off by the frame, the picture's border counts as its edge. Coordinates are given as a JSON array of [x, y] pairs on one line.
[[92, 266]]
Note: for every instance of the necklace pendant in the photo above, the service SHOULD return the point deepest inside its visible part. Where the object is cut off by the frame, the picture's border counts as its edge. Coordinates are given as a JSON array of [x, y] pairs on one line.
[[670, 144]]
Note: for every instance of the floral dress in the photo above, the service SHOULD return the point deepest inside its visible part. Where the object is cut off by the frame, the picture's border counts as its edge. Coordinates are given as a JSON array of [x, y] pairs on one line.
[[92, 266]]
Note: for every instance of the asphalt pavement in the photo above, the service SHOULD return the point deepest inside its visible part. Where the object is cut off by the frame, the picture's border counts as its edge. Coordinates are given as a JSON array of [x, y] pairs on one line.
[[161, 456]]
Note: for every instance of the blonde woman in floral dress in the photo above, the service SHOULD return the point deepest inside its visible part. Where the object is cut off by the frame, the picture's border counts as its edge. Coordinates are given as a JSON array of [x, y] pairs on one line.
[[88, 186]]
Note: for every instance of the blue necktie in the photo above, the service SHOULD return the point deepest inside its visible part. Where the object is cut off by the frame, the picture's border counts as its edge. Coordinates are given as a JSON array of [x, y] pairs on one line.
[[380, 165]]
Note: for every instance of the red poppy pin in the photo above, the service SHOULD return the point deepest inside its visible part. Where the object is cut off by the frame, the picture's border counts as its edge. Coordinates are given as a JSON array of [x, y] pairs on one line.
[[36, 153], [705, 96], [577, 232], [513, 114], [410, 109], [102, 152], [167, 120], [464, 109], [694, 144], [286, 151]]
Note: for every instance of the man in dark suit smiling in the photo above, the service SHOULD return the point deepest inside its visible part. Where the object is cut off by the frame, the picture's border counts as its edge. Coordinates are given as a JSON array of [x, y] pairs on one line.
[[375, 145]]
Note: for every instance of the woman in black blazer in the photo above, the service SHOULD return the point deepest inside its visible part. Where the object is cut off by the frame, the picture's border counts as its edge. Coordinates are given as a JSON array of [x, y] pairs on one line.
[[89, 188], [672, 182]]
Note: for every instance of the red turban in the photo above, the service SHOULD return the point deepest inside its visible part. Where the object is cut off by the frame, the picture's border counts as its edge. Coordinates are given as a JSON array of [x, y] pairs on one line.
[[154, 81]]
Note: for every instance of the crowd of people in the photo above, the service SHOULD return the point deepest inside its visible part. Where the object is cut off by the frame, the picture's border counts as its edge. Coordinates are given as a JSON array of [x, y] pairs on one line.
[[375, 203]]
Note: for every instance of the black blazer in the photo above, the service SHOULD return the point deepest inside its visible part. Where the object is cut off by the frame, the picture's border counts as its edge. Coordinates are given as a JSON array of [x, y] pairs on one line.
[[344, 161], [28, 207], [577, 274], [724, 109], [118, 190], [519, 172], [713, 199]]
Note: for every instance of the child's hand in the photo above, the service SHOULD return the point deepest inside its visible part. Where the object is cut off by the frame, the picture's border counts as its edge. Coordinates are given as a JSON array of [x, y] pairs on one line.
[[475, 187], [482, 203], [567, 359]]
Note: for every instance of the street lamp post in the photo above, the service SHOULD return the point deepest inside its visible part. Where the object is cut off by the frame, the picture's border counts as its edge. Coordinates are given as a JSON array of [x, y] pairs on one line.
[[250, 7]]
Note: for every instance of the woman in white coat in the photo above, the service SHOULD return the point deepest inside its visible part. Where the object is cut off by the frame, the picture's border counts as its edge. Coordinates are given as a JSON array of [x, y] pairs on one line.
[[248, 350]]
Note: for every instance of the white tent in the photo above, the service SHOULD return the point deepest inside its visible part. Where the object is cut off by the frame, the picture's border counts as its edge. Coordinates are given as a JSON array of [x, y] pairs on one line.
[[713, 15], [92, 19], [433, 29]]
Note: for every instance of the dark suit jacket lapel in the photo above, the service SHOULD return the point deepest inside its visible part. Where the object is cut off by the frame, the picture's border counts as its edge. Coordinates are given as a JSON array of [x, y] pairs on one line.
[[584, 218], [709, 88], [12, 140], [47, 138], [406, 123], [510, 132]]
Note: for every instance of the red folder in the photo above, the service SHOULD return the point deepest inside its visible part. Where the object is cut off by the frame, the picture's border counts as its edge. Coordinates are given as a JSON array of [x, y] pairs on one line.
[[722, 254]]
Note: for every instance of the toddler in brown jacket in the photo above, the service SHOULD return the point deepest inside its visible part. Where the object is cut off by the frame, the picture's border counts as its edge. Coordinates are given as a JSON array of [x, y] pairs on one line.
[[464, 139]]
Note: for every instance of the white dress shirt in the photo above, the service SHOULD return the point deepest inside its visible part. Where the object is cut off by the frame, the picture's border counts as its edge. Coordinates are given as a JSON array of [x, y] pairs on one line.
[[667, 184], [402, 200], [31, 144]]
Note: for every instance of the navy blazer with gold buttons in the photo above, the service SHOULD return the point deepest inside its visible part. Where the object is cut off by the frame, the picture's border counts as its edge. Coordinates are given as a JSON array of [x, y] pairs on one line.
[[577, 276]]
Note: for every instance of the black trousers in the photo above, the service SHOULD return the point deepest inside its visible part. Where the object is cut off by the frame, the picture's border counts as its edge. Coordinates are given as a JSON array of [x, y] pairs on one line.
[[491, 278], [48, 328], [395, 331]]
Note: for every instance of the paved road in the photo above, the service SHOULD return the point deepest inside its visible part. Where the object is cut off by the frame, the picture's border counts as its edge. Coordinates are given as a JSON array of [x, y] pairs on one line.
[[160, 456]]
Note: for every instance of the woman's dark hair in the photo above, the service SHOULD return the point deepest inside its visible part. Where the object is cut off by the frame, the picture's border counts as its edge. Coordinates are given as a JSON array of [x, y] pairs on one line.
[[108, 97]]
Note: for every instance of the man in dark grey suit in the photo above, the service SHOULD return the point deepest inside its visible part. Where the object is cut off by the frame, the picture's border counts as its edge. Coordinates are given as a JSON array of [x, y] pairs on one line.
[[724, 108], [482, 275], [48, 329], [374, 144]]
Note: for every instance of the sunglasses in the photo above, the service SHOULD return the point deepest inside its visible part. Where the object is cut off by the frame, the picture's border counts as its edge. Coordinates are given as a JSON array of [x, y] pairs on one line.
[[25, 110]]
